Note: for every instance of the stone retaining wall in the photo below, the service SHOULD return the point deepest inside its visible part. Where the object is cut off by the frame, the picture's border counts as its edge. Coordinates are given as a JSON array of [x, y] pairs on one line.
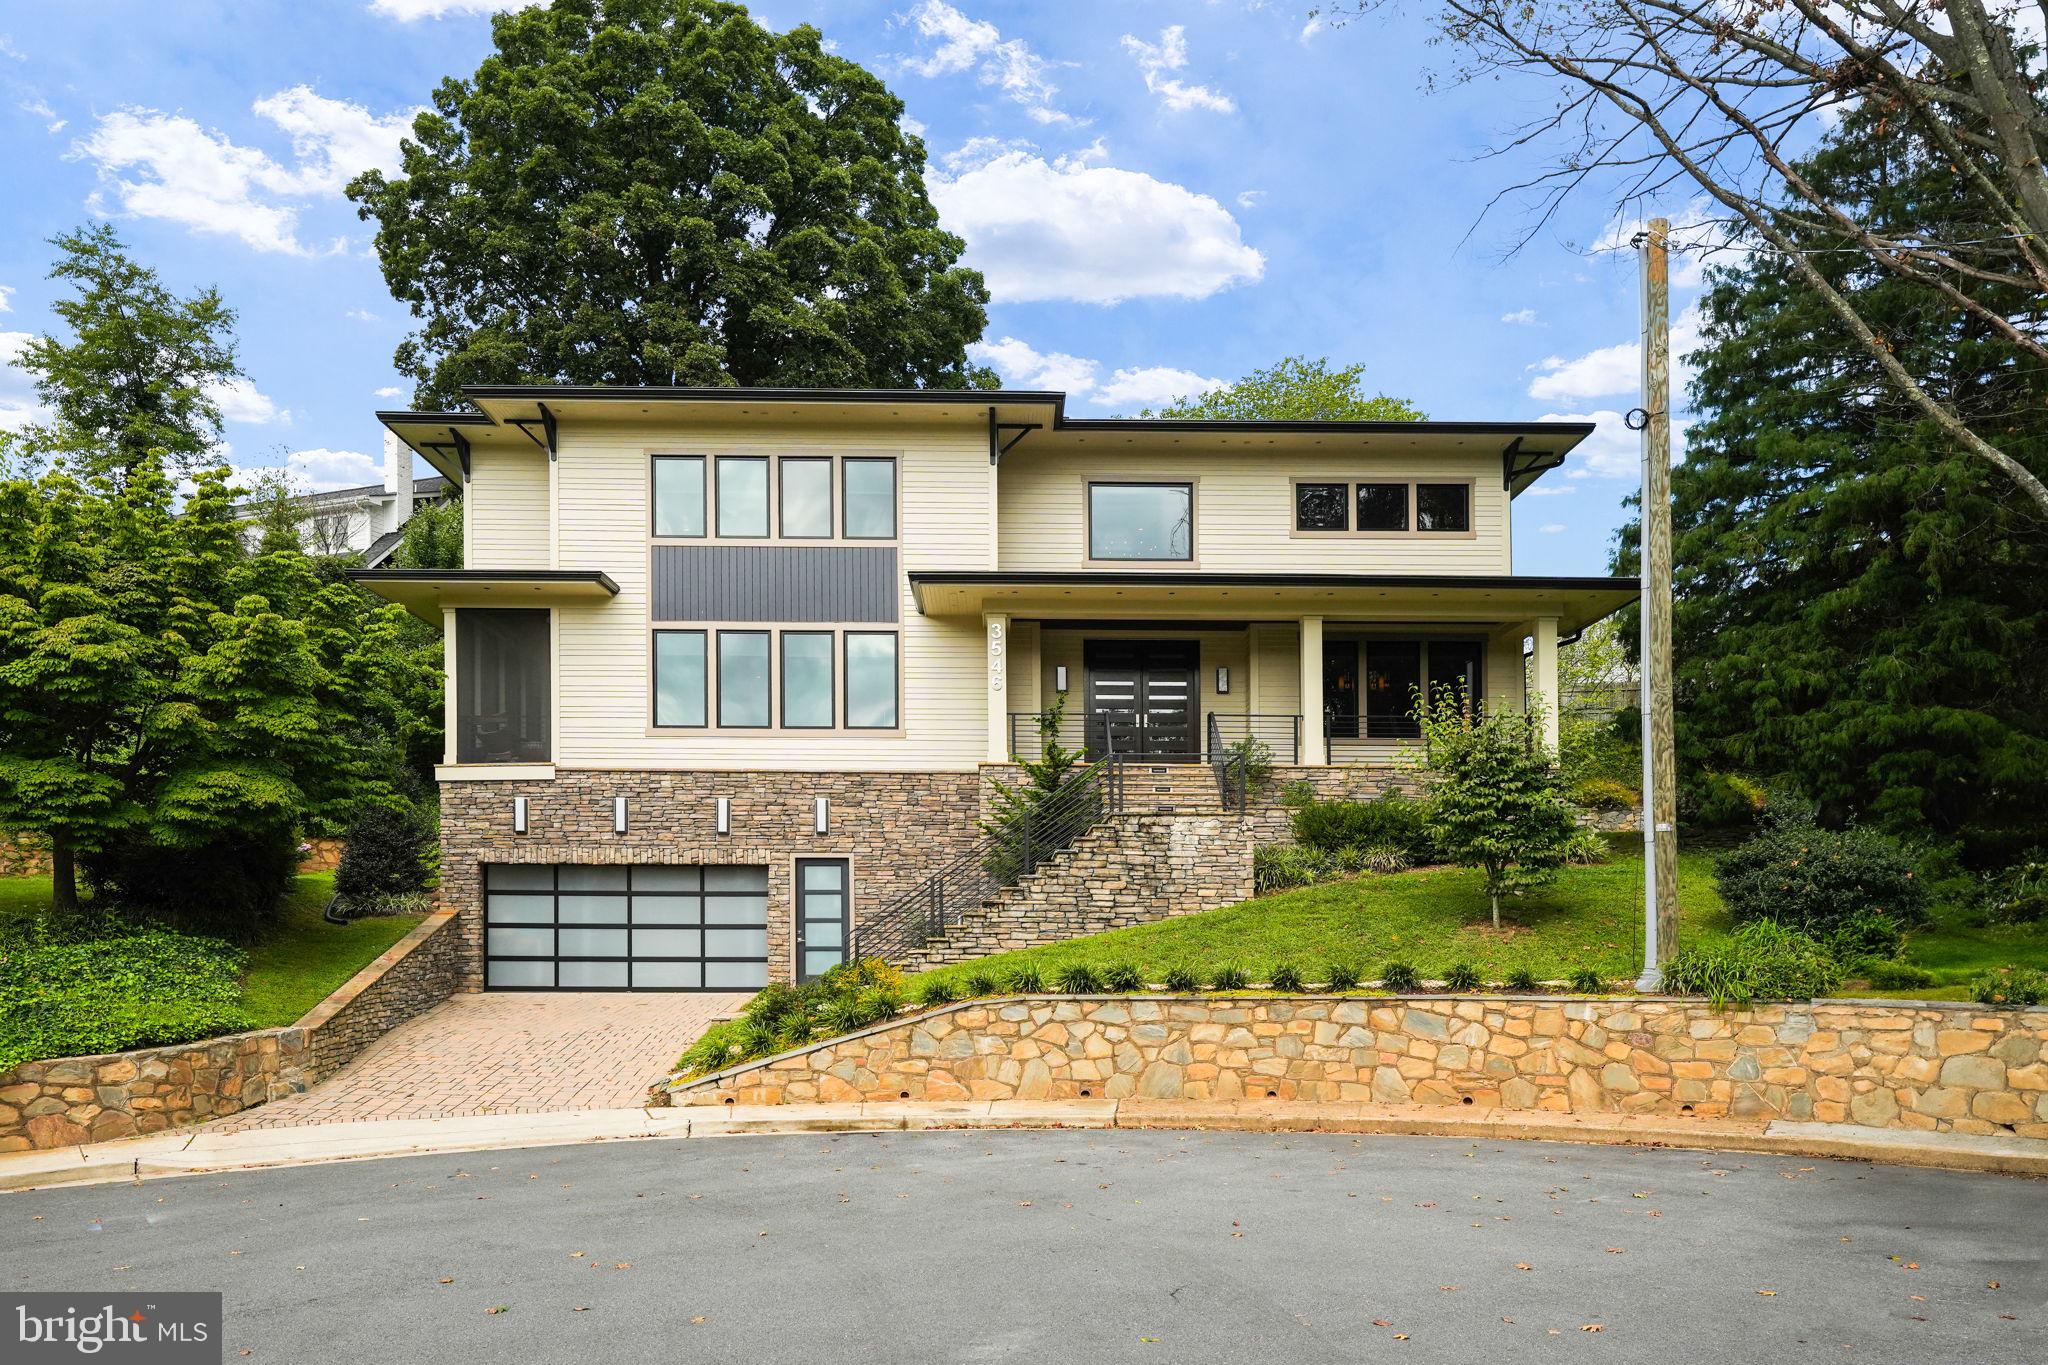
[[71, 1100], [1933, 1067]]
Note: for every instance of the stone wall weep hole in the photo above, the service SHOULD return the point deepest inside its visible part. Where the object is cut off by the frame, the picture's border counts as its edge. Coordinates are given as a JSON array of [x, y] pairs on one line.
[[1932, 1067], [66, 1101]]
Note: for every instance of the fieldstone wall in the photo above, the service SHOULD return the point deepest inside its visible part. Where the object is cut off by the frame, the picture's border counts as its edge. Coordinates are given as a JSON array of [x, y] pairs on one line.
[[23, 855], [894, 828], [71, 1100], [1131, 869], [1934, 1067]]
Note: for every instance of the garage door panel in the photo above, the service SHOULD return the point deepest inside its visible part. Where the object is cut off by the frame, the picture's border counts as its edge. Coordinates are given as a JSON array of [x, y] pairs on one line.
[[605, 927]]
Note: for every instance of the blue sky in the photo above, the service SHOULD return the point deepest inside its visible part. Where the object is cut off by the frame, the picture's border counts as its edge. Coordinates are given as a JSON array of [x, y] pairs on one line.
[[1162, 195]]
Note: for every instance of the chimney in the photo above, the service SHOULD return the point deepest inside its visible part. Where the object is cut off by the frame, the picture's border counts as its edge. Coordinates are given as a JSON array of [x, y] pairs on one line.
[[397, 481]]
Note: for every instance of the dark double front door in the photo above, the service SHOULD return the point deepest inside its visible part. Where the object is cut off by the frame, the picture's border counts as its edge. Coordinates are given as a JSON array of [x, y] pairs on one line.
[[1143, 697]]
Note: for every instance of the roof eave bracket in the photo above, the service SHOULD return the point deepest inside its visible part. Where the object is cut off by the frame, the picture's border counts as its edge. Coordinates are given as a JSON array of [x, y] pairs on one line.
[[997, 446]]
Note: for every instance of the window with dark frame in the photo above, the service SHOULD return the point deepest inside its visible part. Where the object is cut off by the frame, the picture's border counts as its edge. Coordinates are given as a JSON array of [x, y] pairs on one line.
[[1442, 507], [643, 927], [1141, 521], [871, 680], [743, 681], [503, 702], [1383, 507], [807, 683], [680, 678], [743, 496], [679, 495], [869, 497], [806, 498], [821, 915], [1321, 507]]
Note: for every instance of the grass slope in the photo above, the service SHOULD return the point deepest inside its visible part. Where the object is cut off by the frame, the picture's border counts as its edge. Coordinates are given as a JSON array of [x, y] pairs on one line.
[[1591, 916]]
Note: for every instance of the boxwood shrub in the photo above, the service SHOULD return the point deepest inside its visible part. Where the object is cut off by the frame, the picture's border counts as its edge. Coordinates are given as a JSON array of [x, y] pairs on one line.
[[1818, 881]]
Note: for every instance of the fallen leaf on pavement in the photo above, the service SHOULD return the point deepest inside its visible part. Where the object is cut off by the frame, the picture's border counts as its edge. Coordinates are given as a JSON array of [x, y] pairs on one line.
[[498, 1308], [1521, 1265], [697, 1321], [1381, 1322], [1768, 1293], [1594, 1327], [447, 1279]]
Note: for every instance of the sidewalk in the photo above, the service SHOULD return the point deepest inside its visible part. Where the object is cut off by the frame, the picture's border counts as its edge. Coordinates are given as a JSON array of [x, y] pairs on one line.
[[206, 1150]]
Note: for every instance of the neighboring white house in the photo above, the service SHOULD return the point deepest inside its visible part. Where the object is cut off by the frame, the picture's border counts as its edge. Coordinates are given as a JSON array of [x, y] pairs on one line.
[[368, 520]]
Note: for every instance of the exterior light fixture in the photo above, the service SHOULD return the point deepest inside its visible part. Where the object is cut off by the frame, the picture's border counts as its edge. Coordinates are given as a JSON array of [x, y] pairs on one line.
[[519, 815], [1059, 678], [725, 815], [618, 815], [821, 814], [1223, 680]]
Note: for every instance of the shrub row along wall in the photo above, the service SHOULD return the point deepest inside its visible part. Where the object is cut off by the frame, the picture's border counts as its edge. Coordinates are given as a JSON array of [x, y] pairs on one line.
[[1932, 1067], [70, 1100]]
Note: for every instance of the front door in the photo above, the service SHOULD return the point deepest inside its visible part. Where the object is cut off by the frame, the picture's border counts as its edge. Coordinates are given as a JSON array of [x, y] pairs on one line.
[[1141, 698], [821, 916], [1340, 689]]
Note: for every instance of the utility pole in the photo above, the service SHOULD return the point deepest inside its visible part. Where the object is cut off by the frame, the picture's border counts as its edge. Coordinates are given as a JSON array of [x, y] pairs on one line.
[[1660, 772]]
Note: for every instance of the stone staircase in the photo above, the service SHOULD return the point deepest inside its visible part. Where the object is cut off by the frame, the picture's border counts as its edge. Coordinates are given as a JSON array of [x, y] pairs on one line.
[[1171, 788]]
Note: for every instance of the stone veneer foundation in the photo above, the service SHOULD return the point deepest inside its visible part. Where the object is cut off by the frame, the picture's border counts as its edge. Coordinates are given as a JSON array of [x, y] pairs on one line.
[[66, 1101], [1934, 1067]]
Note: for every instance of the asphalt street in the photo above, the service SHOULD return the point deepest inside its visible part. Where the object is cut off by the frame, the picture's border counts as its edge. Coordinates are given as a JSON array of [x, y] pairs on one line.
[[1072, 1246]]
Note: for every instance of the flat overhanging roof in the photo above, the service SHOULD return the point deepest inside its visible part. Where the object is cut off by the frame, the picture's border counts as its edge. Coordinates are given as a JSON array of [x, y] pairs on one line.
[[1367, 598], [425, 592]]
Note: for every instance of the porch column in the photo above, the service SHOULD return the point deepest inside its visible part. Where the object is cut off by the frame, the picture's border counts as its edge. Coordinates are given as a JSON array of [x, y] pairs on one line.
[[1544, 631], [997, 626], [1313, 746], [450, 698]]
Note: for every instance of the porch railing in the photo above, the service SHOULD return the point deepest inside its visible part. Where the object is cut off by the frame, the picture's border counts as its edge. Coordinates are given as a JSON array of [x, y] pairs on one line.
[[1134, 735], [1013, 845]]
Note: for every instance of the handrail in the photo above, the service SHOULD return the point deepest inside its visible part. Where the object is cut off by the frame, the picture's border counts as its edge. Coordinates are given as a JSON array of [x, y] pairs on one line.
[[1014, 844]]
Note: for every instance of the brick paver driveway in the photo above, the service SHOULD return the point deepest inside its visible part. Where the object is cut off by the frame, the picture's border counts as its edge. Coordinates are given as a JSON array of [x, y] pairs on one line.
[[507, 1054]]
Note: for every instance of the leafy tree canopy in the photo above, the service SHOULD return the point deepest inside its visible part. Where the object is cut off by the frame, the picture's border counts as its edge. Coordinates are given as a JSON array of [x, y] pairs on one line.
[[1859, 600], [140, 370], [664, 192], [1295, 389], [1496, 797]]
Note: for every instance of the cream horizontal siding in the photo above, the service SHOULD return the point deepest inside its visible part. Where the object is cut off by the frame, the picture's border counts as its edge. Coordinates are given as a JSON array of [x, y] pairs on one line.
[[1244, 512], [605, 700], [1276, 670], [506, 509]]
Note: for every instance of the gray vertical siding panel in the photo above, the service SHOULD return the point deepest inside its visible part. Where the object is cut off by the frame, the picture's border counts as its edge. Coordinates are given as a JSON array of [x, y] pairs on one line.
[[775, 583]]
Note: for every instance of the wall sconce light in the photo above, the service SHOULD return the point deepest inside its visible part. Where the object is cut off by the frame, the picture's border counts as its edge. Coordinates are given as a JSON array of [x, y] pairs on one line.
[[519, 815], [821, 814], [1223, 680], [618, 815], [725, 815], [1059, 678]]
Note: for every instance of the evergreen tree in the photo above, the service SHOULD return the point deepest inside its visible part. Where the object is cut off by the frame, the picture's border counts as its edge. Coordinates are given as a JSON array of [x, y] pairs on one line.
[[1859, 601]]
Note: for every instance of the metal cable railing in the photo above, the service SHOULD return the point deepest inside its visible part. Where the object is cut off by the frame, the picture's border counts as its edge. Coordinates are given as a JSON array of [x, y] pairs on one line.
[[1015, 843]]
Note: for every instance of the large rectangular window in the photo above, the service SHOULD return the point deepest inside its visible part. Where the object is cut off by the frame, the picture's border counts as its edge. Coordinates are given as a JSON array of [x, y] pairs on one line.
[[742, 496], [1141, 520], [1443, 507], [807, 679], [1383, 507], [743, 678], [679, 677], [679, 495], [807, 499], [870, 499], [502, 704], [870, 680], [1321, 507]]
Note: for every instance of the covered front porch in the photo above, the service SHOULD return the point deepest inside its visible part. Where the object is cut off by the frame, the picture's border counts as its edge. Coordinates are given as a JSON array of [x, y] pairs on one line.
[[1321, 669]]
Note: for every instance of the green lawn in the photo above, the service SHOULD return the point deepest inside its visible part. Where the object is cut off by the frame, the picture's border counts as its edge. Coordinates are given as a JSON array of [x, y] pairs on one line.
[[1591, 916], [290, 971], [1957, 951]]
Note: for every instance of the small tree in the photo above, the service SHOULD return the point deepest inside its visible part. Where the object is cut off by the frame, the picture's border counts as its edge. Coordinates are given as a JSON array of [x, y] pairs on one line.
[[1041, 812], [1496, 797]]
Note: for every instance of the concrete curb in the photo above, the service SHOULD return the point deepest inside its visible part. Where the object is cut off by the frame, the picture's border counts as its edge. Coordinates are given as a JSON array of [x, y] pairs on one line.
[[206, 1151]]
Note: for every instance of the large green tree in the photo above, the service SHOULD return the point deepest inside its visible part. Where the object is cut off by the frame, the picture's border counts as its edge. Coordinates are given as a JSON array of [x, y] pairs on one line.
[[1860, 600], [1296, 389], [665, 192], [138, 375]]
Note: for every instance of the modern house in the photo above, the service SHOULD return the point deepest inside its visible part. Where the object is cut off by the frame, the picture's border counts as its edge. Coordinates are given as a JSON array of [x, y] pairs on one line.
[[729, 668], [368, 520]]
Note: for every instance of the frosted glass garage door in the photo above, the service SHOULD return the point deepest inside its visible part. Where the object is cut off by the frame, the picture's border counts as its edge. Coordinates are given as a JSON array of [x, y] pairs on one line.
[[576, 927]]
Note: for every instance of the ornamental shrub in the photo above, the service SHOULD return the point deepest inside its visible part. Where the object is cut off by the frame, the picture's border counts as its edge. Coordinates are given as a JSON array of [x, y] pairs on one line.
[[1462, 977], [978, 983], [141, 989], [1122, 977], [1026, 980], [1282, 867], [1865, 935], [1763, 960], [2019, 894], [1815, 880], [1588, 981], [1078, 978], [1892, 976], [1182, 980], [2012, 986], [1604, 793], [1343, 976], [388, 853], [1287, 977], [1229, 977], [1523, 980], [1390, 821], [1399, 977], [937, 990]]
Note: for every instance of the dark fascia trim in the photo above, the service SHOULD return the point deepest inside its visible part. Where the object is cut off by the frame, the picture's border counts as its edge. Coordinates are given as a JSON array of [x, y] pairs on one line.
[[435, 419], [1042, 577], [457, 577]]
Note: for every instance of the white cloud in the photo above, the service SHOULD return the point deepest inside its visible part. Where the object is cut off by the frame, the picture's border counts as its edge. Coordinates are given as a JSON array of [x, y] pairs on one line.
[[360, 315], [6, 293], [40, 108], [1170, 53], [911, 126], [390, 391], [1023, 366], [1095, 234], [1249, 199], [317, 471], [1551, 528], [186, 174], [19, 406], [412, 11], [1521, 317], [1616, 369], [1696, 241], [1612, 451], [1310, 29], [240, 400], [964, 44]]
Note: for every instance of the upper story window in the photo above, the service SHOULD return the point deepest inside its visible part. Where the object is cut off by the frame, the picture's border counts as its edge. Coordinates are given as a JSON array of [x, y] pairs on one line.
[[783, 498], [1382, 507], [1144, 521], [502, 692]]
